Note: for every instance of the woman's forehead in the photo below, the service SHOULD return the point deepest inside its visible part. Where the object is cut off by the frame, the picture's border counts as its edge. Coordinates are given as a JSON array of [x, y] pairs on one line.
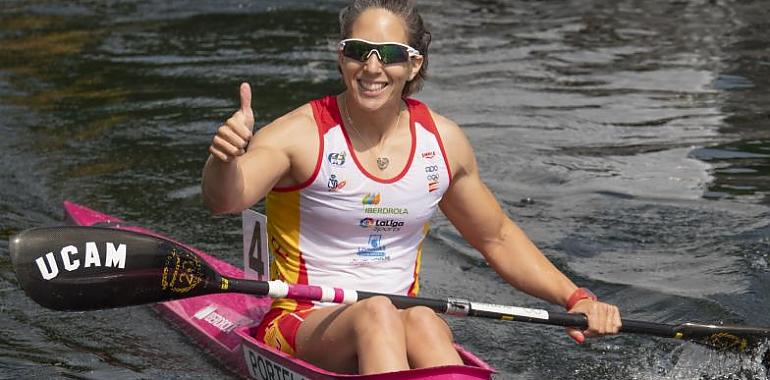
[[379, 25]]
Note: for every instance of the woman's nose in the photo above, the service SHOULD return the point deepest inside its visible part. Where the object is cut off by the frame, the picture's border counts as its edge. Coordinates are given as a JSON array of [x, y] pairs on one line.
[[373, 62]]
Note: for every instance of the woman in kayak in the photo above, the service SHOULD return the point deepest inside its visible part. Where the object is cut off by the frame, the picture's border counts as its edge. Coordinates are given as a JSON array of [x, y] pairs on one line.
[[351, 182]]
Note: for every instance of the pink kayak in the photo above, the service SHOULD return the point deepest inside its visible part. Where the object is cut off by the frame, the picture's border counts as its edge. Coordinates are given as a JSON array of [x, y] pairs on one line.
[[224, 325]]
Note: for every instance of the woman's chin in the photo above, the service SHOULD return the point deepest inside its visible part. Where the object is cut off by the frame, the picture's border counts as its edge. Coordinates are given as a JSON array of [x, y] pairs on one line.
[[375, 100]]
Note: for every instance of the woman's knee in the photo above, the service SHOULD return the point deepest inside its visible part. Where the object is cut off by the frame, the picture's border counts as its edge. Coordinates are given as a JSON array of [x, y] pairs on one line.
[[377, 313], [423, 322]]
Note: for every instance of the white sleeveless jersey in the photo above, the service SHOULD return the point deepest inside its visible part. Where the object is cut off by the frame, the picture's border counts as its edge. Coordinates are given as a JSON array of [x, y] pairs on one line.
[[345, 227]]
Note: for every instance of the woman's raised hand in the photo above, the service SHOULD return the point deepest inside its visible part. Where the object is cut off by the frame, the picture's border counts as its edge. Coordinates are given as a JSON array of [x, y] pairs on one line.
[[233, 136]]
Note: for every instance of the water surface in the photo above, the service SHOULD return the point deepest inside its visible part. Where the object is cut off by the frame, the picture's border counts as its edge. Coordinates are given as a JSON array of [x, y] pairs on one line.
[[638, 129]]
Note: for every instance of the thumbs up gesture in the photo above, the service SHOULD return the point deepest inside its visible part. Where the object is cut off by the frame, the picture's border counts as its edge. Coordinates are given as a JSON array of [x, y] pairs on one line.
[[232, 137]]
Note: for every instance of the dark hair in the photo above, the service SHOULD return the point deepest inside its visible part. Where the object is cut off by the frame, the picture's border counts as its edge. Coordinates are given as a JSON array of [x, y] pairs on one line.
[[419, 38]]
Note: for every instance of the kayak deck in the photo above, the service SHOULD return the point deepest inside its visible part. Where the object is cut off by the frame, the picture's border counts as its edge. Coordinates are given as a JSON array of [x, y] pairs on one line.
[[224, 324]]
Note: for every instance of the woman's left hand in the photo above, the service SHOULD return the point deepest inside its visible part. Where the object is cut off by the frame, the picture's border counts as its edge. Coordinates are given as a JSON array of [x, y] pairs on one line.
[[603, 319]]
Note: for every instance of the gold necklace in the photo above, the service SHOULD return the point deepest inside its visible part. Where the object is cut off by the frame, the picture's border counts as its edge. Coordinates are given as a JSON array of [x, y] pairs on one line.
[[382, 161]]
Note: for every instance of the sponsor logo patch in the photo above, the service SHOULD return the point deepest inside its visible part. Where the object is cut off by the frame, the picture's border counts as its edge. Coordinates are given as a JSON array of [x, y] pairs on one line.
[[334, 184], [337, 159], [386, 210], [371, 199], [372, 254], [381, 225], [431, 174], [375, 248]]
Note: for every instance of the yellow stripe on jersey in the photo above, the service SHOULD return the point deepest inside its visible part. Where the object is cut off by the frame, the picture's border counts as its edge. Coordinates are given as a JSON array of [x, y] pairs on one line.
[[283, 231], [415, 289]]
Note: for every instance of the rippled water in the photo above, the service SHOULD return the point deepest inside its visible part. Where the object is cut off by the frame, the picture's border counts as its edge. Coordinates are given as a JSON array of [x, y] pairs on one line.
[[639, 129]]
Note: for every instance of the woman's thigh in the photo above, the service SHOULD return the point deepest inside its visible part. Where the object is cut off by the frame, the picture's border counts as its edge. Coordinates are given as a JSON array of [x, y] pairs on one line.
[[332, 337], [429, 339]]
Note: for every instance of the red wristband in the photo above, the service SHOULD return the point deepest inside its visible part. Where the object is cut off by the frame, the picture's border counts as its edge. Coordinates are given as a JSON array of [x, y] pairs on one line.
[[578, 295]]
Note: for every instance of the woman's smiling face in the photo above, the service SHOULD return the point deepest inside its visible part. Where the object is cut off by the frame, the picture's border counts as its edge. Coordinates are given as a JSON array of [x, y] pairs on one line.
[[372, 84]]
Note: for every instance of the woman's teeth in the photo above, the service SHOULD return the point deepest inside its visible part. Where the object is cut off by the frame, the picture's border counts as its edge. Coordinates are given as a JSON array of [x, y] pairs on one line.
[[371, 86]]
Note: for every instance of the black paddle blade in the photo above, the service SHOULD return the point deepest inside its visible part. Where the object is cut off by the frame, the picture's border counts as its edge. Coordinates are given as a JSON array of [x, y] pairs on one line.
[[724, 337], [87, 268]]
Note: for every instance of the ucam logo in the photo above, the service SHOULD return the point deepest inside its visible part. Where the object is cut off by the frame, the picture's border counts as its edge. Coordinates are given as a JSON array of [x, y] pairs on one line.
[[112, 255]]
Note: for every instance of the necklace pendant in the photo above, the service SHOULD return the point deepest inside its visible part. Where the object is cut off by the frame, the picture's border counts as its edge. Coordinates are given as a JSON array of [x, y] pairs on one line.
[[382, 162]]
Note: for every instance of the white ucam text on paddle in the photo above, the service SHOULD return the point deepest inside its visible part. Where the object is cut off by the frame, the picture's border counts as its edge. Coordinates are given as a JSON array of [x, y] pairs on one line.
[[115, 256]]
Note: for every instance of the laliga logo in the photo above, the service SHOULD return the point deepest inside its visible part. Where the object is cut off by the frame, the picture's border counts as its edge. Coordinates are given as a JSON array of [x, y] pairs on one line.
[[371, 222]]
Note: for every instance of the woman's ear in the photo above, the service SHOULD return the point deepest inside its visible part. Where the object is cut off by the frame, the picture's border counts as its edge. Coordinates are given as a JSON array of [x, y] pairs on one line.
[[416, 65]]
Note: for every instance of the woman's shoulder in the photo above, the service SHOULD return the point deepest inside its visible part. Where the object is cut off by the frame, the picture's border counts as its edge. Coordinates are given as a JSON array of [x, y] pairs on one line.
[[442, 123], [448, 130], [297, 121], [307, 115], [458, 149], [284, 132], [299, 117]]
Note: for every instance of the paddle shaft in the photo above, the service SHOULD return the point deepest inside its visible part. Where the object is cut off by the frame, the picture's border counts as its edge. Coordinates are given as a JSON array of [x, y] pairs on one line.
[[455, 307]]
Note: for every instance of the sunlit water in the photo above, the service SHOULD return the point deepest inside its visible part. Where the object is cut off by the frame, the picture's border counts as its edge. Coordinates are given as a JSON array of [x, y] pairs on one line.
[[637, 129]]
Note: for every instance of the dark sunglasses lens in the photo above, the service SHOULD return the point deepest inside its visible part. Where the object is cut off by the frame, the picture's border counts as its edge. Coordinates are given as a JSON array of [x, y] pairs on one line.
[[357, 50], [392, 53]]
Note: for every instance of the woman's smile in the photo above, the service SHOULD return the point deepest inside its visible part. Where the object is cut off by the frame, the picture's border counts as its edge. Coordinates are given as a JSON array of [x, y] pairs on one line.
[[371, 88]]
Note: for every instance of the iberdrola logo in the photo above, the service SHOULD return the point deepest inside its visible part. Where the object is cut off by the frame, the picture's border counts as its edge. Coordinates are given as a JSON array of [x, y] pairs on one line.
[[371, 199]]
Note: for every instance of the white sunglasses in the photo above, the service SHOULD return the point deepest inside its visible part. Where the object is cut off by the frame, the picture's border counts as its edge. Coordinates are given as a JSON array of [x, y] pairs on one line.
[[387, 52]]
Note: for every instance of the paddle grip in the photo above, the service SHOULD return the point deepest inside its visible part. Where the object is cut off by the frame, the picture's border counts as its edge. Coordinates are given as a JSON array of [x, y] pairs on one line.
[[579, 321], [259, 288], [629, 325]]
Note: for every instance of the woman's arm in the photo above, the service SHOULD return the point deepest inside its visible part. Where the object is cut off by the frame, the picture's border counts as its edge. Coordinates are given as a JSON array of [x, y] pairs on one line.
[[243, 167], [477, 215]]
